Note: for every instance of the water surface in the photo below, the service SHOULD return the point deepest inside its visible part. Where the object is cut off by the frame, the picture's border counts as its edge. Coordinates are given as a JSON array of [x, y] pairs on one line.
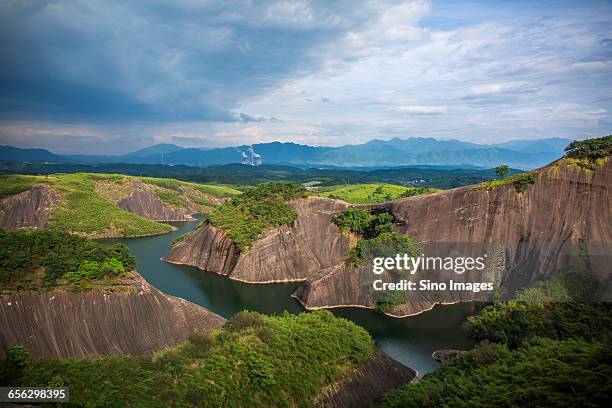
[[409, 340]]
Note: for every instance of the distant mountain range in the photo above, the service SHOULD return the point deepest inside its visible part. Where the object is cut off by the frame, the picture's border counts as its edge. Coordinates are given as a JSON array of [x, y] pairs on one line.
[[375, 153]]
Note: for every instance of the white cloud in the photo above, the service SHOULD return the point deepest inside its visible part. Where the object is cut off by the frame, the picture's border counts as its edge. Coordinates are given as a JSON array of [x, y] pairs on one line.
[[398, 68], [422, 109]]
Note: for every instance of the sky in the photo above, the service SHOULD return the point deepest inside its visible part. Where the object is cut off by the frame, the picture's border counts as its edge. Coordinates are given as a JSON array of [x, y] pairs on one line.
[[110, 77]]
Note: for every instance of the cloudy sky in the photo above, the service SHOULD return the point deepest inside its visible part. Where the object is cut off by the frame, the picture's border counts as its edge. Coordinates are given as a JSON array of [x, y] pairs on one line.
[[108, 77]]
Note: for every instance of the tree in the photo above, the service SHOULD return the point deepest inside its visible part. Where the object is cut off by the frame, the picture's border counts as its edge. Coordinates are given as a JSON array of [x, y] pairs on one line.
[[502, 171], [590, 148]]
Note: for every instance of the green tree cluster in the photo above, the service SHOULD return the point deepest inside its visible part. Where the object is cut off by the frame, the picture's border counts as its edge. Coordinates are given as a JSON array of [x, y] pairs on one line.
[[542, 373], [59, 254], [247, 216], [363, 222], [591, 149], [377, 240]]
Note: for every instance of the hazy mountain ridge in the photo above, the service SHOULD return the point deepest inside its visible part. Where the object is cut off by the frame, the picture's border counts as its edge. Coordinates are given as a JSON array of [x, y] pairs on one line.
[[375, 153]]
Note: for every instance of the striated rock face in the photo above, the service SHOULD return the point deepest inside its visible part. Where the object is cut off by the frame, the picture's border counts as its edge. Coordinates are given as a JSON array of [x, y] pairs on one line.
[[144, 202], [298, 250], [139, 321], [292, 252], [29, 209], [526, 236], [377, 376], [208, 248]]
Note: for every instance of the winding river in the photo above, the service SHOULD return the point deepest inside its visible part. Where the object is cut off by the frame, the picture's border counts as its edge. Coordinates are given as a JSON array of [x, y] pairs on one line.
[[410, 340]]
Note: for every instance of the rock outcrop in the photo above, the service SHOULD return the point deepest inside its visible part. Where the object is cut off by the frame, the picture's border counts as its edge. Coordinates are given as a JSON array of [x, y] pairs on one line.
[[139, 321], [144, 202], [29, 209], [443, 355], [292, 252], [561, 219], [208, 248], [368, 384]]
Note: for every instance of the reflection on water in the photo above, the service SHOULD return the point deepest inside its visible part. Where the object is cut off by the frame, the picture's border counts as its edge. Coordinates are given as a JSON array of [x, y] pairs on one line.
[[410, 340]]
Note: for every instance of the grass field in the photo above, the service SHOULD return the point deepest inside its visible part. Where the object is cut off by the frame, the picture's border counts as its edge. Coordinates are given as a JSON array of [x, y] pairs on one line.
[[371, 193], [10, 185]]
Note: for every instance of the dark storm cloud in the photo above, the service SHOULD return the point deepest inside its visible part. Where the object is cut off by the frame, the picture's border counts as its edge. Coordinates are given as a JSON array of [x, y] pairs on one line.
[[158, 60]]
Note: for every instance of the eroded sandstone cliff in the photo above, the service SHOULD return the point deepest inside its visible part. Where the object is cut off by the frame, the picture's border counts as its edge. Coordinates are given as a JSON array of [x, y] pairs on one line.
[[368, 384], [144, 202], [292, 252], [138, 321], [29, 209], [208, 248], [526, 236]]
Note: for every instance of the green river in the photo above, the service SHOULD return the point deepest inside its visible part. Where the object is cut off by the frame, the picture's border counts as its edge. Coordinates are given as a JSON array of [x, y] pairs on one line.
[[409, 340]]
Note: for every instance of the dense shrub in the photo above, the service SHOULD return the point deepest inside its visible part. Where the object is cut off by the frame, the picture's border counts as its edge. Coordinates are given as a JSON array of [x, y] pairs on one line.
[[543, 373], [354, 220], [514, 322], [387, 244], [364, 222], [590, 149], [59, 254], [522, 181], [248, 215], [233, 367]]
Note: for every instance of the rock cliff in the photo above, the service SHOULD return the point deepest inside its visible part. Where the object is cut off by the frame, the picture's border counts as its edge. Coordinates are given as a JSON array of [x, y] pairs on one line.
[[29, 209], [144, 202], [368, 384], [526, 236], [292, 252], [208, 248], [138, 321]]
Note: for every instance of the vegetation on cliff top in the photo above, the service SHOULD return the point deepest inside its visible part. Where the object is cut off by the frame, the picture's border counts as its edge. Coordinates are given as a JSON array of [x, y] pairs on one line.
[[47, 259], [377, 239], [535, 351], [10, 185], [247, 216], [173, 184], [588, 154], [590, 149], [520, 182], [86, 211], [254, 361], [371, 193]]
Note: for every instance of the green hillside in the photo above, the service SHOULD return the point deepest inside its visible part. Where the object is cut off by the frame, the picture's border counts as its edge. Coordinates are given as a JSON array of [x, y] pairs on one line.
[[371, 193], [247, 216], [88, 207]]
